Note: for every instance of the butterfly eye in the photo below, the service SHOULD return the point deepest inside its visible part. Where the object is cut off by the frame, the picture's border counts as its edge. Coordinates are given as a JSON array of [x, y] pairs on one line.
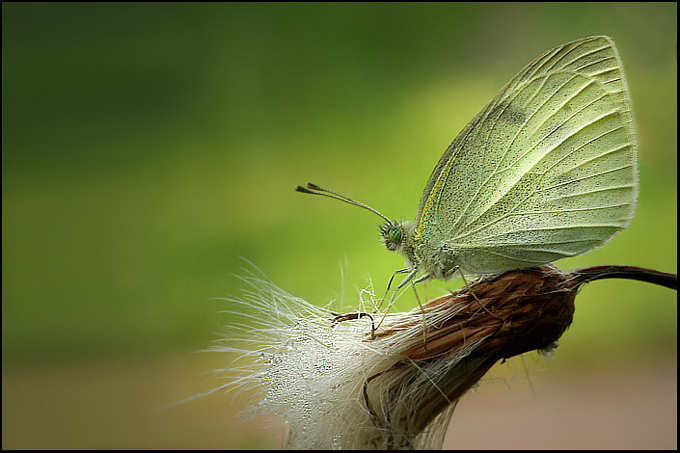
[[395, 234]]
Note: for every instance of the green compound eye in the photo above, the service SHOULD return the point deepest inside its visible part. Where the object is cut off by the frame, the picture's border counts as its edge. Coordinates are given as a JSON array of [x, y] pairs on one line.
[[395, 234]]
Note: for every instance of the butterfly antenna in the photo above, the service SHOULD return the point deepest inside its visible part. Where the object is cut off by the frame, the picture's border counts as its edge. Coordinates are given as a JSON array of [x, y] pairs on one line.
[[316, 190]]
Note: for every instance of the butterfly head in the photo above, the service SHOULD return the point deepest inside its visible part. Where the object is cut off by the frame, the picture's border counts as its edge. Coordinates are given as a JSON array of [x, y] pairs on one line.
[[398, 237]]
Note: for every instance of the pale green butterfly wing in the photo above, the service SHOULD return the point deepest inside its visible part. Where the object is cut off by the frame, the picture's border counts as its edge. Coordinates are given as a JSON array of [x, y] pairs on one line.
[[546, 170]]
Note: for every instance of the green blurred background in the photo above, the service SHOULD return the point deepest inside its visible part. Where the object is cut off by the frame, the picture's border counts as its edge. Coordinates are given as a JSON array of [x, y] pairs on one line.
[[147, 147]]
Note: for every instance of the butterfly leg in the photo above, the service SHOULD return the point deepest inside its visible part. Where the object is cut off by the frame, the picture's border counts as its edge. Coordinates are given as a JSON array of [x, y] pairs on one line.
[[341, 317], [389, 285], [413, 283], [408, 278], [457, 268]]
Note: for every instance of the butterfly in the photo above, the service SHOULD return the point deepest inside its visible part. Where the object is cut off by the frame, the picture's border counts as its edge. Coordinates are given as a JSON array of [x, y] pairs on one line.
[[547, 170]]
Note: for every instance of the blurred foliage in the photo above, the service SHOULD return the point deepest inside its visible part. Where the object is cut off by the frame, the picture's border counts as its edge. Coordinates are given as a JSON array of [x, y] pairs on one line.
[[147, 147]]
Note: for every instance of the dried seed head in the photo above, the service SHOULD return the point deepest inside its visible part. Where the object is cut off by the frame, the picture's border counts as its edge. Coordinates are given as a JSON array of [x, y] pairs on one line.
[[341, 385]]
